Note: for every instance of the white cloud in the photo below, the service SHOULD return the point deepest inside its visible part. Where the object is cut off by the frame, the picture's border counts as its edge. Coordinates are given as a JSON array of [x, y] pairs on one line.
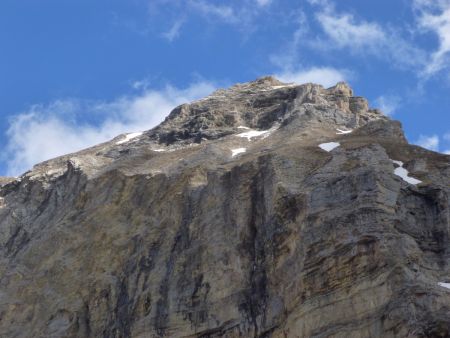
[[241, 15], [141, 84], [325, 76], [48, 131], [357, 36], [287, 60], [388, 104], [429, 142], [174, 31], [263, 3], [447, 152], [223, 12], [345, 31], [395, 44], [434, 16], [325, 4]]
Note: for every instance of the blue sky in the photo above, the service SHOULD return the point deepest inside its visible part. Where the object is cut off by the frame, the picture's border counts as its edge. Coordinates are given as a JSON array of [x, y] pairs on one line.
[[77, 72]]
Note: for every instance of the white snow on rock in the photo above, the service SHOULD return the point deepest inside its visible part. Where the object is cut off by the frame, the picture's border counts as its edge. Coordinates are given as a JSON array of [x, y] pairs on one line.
[[129, 137], [237, 151], [444, 285], [253, 133], [342, 132], [175, 147], [242, 127], [329, 146], [284, 86], [256, 133], [403, 173]]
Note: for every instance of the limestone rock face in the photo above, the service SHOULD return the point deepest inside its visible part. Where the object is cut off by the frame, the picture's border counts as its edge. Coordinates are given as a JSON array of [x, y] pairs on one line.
[[230, 220]]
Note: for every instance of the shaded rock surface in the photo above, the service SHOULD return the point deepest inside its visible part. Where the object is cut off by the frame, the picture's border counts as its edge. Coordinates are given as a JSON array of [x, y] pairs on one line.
[[169, 235]]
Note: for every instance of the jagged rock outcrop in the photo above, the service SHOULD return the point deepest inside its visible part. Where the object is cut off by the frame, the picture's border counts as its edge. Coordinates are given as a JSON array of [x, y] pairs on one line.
[[263, 210]]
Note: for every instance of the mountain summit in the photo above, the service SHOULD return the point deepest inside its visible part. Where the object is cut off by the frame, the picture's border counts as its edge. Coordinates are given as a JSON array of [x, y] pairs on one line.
[[267, 209]]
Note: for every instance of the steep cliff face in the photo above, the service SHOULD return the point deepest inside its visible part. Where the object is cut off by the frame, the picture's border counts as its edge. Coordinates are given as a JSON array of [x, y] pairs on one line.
[[264, 210]]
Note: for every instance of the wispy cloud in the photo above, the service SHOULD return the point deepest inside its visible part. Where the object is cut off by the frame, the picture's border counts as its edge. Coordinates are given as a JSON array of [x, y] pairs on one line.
[[325, 76], [447, 139], [241, 15], [290, 67], [392, 43], [433, 142], [211, 10], [434, 16], [287, 57], [47, 131], [174, 31], [345, 31], [387, 42], [429, 142], [289, 64], [339, 30], [358, 36], [141, 85], [263, 3], [388, 104]]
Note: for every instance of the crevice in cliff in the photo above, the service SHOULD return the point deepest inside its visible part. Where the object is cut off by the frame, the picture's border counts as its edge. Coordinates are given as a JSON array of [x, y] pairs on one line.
[[181, 242], [257, 295]]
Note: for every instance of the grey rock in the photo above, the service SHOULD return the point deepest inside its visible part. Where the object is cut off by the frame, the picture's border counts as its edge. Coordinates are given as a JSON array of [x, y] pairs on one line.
[[169, 235]]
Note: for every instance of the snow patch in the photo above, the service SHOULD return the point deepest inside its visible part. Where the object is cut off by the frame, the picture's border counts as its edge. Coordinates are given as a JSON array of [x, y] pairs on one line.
[[237, 151], [129, 137], [284, 86], [342, 132], [252, 133], [242, 127], [329, 146], [444, 285], [256, 133], [403, 173], [172, 148]]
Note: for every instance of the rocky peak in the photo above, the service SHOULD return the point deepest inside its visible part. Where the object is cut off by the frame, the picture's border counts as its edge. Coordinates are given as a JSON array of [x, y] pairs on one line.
[[262, 82], [262, 104], [341, 88], [264, 210]]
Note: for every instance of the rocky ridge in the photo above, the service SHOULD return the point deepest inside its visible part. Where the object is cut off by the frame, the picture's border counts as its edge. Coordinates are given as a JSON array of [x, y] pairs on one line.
[[263, 210]]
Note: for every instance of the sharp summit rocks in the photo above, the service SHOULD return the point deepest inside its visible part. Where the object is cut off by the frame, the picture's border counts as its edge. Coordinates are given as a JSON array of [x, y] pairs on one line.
[[263, 210]]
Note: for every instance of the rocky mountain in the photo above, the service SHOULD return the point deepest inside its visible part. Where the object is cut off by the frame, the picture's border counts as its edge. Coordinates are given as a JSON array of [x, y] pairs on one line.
[[263, 210]]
